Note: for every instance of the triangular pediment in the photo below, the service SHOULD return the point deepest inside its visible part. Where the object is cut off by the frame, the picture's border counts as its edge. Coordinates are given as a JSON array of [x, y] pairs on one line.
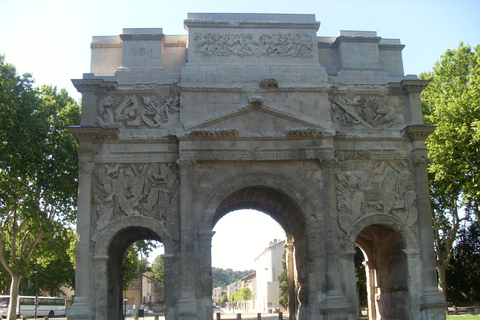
[[257, 119]]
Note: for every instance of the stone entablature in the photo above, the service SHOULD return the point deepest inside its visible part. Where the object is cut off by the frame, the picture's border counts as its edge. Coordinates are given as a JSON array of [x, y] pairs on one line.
[[255, 111]]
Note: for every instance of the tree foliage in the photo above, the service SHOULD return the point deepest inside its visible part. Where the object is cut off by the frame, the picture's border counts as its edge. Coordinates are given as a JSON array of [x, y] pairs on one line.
[[463, 273], [451, 102], [223, 277], [135, 260], [38, 168], [158, 269], [54, 261], [283, 282]]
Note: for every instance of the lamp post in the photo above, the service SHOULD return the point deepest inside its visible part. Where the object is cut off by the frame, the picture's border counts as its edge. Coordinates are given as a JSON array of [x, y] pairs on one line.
[[36, 293]]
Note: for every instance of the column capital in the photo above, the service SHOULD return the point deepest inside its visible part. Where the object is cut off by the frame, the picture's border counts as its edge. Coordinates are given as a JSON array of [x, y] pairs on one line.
[[186, 165], [86, 164], [329, 164]]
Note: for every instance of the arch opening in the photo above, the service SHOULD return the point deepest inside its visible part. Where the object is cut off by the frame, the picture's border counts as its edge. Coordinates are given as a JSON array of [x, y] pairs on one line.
[[118, 303], [287, 213], [386, 269]]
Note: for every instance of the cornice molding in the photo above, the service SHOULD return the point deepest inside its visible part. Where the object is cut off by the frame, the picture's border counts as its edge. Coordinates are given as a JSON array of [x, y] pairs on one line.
[[418, 132], [93, 134], [93, 85], [142, 37], [414, 86], [204, 23], [105, 45]]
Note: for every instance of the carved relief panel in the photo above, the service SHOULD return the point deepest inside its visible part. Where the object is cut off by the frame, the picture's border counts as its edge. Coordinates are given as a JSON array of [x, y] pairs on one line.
[[367, 109], [149, 189], [387, 187], [138, 110], [244, 45]]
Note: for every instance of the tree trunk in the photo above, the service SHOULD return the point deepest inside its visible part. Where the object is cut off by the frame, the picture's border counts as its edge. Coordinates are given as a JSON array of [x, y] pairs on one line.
[[12, 307], [442, 277]]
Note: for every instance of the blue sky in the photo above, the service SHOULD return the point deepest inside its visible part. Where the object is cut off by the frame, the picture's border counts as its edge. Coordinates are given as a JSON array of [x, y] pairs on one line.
[[51, 39]]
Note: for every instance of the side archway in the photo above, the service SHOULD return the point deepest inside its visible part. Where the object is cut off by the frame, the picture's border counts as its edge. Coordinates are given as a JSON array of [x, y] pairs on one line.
[[386, 243], [110, 248]]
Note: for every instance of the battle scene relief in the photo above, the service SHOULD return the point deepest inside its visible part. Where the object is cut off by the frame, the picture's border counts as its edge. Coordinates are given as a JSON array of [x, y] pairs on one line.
[[149, 189], [136, 111], [366, 111], [386, 188]]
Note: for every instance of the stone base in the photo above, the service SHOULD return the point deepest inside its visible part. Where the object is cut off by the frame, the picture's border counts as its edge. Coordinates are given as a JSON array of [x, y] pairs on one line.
[[80, 310]]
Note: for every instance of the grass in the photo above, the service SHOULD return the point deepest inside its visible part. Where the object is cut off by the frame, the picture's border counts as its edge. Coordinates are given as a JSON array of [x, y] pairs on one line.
[[459, 317]]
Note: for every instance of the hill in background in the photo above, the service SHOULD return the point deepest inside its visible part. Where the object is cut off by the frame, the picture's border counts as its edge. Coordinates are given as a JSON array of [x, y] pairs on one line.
[[224, 277]]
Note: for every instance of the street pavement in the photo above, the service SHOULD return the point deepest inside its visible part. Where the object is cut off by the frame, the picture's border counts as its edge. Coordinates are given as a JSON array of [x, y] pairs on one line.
[[223, 316]]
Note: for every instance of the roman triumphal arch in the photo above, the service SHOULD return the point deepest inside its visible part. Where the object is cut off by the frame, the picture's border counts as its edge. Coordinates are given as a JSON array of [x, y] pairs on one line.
[[324, 134]]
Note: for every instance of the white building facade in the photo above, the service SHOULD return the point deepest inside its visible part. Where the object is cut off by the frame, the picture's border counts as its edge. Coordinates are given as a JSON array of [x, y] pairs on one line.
[[268, 268]]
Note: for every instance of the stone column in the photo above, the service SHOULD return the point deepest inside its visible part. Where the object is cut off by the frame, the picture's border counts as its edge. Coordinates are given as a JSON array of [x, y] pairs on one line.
[[206, 273], [171, 279], [431, 298], [335, 305], [415, 276], [348, 267], [370, 270], [82, 304], [101, 288], [291, 278], [187, 304]]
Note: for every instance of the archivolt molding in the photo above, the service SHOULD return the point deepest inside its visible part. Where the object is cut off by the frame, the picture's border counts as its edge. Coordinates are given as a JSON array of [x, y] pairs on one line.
[[380, 219], [254, 179], [106, 236]]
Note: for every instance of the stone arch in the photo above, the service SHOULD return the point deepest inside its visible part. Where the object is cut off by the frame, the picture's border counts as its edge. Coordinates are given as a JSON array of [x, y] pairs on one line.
[[263, 181], [110, 248], [386, 243], [380, 219], [106, 235], [282, 200]]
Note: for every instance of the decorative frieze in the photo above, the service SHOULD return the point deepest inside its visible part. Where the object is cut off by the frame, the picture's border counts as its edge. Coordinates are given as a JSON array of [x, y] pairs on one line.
[[213, 134], [256, 154], [249, 44], [136, 111]]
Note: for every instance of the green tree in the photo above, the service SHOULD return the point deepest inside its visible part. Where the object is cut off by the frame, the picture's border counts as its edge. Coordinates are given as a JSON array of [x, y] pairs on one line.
[[283, 280], [135, 261], [131, 264], [38, 168], [158, 269], [463, 273], [451, 102], [54, 262], [223, 299]]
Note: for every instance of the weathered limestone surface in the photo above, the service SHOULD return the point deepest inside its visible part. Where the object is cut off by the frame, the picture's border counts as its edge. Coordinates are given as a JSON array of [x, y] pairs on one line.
[[324, 134]]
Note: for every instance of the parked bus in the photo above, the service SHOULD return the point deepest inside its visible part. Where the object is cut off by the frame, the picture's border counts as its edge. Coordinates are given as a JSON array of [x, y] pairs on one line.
[[47, 306]]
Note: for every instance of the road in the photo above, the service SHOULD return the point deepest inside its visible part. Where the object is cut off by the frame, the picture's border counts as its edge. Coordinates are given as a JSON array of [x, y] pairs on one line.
[[223, 316]]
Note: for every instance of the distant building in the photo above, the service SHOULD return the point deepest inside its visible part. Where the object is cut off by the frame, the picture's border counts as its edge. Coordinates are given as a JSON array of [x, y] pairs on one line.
[[234, 287], [269, 267], [250, 281], [146, 291], [217, 294]]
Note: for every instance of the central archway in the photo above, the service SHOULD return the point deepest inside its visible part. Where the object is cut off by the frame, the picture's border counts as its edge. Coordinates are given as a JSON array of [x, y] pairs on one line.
[[281, 201]]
